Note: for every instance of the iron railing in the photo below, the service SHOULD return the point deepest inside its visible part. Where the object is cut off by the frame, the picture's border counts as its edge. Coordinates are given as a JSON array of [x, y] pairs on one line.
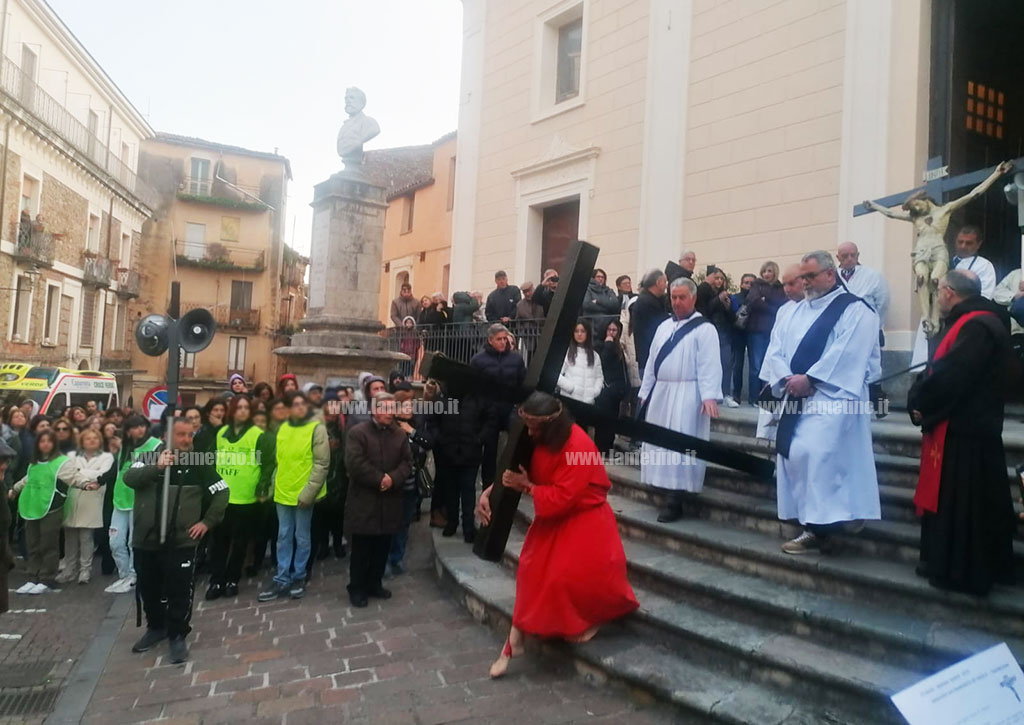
[[22, 90], [35, 245], [217, 255], [96, 271], [127, 282], [212, 187], [459, 341]]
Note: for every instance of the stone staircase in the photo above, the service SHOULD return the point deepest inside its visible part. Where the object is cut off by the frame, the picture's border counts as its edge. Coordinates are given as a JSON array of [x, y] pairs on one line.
[[732, 630]]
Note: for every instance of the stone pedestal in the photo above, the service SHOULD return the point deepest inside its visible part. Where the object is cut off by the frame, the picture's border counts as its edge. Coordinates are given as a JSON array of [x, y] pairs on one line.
[[340, 335]]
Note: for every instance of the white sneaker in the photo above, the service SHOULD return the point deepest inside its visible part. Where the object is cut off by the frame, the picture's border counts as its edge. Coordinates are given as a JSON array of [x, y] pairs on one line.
[[730, 402], [25, 588], [118, 587], [40, 589]]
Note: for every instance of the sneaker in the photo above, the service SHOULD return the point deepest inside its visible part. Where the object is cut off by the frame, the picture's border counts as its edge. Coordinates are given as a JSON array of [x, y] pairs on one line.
[[275, 592], [298, 590], [41, 588], [121, 586], [730, 402], [178, 652], [214, 591], [83, 577], [149, 639], [805, 543], [231, 590], [25, 588]]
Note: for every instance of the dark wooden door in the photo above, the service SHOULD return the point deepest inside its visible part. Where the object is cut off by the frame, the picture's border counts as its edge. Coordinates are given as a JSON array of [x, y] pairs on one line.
[[561, 228]]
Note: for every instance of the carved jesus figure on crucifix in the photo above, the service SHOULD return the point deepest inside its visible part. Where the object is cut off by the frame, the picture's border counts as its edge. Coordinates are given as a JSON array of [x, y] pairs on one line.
[[931, 259]]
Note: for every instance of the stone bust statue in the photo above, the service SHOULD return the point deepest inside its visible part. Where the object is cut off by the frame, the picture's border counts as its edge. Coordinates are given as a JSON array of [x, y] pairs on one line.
[[357, 129]]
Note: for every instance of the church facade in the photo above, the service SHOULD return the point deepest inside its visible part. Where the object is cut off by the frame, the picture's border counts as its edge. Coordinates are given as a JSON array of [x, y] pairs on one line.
[[745, 130]]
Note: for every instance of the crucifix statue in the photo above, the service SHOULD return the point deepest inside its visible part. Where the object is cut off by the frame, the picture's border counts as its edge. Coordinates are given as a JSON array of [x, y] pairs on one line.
[[930, 220], [542, 374]]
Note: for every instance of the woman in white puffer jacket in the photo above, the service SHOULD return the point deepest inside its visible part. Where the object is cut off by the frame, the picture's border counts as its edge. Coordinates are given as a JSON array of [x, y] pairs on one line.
[[581, 377]]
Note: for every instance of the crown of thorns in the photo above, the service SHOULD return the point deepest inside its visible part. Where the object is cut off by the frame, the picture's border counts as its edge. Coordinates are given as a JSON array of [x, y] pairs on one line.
[[529, 418]]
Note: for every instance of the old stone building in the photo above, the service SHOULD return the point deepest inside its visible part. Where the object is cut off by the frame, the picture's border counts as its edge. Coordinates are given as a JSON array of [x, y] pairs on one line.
[[221, 235], [71, 206]]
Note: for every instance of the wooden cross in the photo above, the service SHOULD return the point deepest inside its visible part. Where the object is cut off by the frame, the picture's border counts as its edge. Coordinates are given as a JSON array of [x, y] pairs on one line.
[[937, 184], [542, 374]]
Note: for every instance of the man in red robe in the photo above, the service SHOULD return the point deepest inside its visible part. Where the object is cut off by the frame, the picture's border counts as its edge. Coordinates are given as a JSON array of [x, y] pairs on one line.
[[963, 493], [572, 569]]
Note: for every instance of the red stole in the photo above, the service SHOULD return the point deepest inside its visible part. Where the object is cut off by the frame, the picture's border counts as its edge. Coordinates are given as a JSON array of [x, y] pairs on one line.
[[933, 443]]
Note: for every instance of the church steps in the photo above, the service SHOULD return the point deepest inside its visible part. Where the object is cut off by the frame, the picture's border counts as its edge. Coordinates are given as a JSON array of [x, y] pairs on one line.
[[851, 625], [622, 655], [893, 435], [891, 539], [856, 686], [891, 584]]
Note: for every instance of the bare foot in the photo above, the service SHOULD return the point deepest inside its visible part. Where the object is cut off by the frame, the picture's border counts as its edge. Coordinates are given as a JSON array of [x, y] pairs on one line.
[[513, 648], [585, 637]]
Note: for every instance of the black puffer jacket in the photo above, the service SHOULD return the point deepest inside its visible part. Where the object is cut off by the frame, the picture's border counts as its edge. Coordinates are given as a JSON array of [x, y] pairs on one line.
[[459, 439], [601, 303]]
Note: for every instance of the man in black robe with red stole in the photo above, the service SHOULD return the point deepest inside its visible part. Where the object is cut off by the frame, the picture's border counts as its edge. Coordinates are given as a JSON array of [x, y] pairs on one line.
[[963, 493]]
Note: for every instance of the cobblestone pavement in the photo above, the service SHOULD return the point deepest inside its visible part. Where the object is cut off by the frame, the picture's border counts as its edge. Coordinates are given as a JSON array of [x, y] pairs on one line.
[[41, 639], [417, 658]]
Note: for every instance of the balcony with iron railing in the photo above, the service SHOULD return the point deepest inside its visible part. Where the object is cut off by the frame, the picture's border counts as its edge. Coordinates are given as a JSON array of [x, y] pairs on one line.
[[228, 317], [218, 255], [21, 94], [219, 193], [34, 244], [96, 271], [127, 283]]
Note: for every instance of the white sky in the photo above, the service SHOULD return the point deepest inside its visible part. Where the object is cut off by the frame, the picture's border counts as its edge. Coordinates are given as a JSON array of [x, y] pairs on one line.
[[265, 74]]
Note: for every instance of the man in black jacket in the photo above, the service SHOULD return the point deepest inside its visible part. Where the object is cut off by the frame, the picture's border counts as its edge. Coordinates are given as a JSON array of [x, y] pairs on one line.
[[648, 312], [503, 365], [166, 571], [501, 303]]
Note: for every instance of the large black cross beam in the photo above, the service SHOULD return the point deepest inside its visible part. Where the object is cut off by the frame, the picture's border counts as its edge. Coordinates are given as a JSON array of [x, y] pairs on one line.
[[542, 374], [936, 185]]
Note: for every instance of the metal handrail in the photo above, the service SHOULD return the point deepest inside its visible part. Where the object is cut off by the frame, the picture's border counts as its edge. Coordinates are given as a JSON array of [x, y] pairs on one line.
[[19, 87]]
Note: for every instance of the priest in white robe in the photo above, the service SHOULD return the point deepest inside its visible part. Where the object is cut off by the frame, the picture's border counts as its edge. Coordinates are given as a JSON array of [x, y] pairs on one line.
[[681, 394], [828, 476], [862, 281]]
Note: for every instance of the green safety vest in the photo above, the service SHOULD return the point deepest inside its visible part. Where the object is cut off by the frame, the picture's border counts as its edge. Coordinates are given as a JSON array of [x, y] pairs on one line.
[[237, 464], [294, 462], [124, 497], [40, 488]]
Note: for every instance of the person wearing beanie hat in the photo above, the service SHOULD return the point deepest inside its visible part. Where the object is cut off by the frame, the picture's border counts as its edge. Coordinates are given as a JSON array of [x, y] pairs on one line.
[[287, 383], [369, 386], [236, 385]]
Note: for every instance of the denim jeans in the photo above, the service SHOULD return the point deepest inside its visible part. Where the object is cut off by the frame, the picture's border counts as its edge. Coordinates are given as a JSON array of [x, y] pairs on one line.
[[293, 527], [120, 543], [739, 351], [410, 501], [725, 353], [757, 346]]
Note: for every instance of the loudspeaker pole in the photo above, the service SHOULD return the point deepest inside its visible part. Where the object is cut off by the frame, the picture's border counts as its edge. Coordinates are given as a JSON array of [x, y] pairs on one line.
[[173, 366]]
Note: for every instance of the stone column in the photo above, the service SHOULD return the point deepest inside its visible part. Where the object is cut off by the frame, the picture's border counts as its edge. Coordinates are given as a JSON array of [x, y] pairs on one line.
[[340, 335]]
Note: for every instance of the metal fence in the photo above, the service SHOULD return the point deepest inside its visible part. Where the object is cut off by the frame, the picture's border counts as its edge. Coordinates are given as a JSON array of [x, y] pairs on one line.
[[461, 341], [24, 91]]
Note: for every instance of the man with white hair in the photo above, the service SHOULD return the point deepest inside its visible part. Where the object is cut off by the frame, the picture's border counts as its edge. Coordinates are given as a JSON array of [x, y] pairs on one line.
[[827, 351], [680, 390], [865, 282]]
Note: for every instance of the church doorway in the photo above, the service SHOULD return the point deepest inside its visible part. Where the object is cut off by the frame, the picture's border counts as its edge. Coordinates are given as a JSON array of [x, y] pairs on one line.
[[977, 110], [561, 227]]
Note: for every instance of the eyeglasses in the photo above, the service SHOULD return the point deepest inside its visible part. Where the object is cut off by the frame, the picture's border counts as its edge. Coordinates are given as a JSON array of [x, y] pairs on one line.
[[808, 276]]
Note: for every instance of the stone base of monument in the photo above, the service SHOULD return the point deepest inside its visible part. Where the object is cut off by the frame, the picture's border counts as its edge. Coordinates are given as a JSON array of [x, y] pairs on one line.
[[340, 336], [732, 630]]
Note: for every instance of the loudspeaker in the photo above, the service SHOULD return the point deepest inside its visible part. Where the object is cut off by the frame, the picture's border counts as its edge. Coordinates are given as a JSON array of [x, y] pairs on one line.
[[1011, 189], [196, 330], [151, 334]]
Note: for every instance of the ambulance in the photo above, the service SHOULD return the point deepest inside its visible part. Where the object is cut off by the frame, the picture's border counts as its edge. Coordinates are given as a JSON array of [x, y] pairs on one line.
[[54, 389]]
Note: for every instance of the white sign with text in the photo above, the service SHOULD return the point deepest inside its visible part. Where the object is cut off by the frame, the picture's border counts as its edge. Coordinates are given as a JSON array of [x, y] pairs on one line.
[[985, 689]]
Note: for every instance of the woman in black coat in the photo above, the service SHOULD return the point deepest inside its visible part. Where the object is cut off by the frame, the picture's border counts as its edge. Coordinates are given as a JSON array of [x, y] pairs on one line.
[[616, 382]]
